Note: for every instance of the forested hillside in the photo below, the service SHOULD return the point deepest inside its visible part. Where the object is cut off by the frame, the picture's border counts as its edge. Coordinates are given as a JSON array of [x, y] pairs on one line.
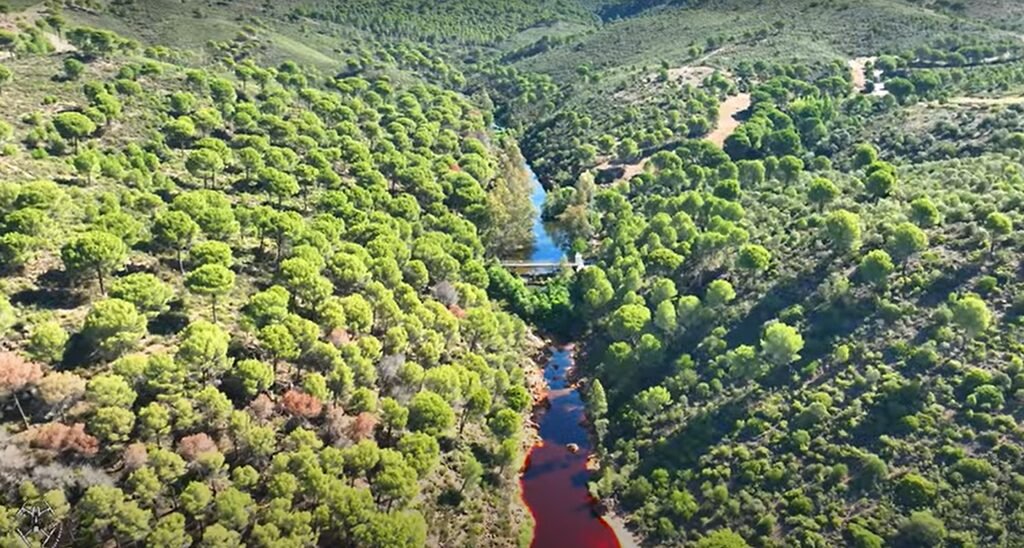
[[249, 303], [251, 289]]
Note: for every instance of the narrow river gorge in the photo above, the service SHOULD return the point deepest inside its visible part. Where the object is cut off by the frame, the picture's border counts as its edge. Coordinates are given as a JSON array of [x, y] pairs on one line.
[[554, 479]]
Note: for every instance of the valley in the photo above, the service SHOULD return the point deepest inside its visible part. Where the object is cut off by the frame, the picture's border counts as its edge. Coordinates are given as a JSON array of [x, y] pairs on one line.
[[714, 273]]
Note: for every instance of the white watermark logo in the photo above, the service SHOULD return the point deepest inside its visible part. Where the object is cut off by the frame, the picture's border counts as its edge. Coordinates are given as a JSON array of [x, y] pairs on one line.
[[38, 525]]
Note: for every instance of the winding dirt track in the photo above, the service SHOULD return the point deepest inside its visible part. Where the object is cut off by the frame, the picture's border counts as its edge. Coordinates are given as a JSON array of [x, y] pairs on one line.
[[984, 101], [725, 125]]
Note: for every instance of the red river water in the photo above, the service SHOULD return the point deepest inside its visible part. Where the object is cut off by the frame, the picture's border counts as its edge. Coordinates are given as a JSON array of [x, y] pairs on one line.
[[555, 479]]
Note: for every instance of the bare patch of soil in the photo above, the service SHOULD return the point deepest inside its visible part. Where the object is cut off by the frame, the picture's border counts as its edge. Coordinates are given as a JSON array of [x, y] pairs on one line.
[[727, 122]]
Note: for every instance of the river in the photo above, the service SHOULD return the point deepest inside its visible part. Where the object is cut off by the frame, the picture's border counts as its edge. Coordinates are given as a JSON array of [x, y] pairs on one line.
[[554, 480]]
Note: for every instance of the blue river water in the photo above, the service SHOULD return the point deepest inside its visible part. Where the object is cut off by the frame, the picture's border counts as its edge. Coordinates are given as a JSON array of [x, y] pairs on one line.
[[544, 246]]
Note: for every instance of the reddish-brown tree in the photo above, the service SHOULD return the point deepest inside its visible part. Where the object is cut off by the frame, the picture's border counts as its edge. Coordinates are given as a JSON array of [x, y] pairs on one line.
[[191, 447], [300, 404], [16, 374], [262, 407], [362, 427], [62, 438], [135, 456]]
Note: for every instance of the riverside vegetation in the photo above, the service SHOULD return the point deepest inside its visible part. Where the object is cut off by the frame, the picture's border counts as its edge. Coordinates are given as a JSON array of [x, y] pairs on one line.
[[250, 293]]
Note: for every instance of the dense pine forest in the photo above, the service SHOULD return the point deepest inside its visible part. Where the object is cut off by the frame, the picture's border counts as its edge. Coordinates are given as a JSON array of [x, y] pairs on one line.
[[252, 289]]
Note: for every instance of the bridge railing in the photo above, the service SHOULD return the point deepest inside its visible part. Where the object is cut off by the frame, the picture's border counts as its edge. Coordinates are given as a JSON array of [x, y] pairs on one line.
[[577, 264]]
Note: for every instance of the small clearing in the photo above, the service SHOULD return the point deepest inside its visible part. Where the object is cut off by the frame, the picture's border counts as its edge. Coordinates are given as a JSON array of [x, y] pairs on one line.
[[689, 75], [858, 67], [727, 122], [59, 43], [628, 170], [650, 84]]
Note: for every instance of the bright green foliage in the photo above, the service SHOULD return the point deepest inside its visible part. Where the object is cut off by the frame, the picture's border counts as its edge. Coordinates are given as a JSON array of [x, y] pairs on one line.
[[381, 199], [430, 413], [169, 531], [781, 343], [155, 420], [204, 349], [211, 252], [998, 225], [875, 267], [864, 538], [665, 317], [148, 293], [722, 538], [421, 451], [880, 183], [279, 342], [972, 315], [7, 314], [47, 342], [269, 306], [232, 508], [175, 230], [842, 228], [112, 424], [628, 321], [822, 192], [719, 294], [595, 288], [254, 375], [105, 510], [219, 536], [471, 471], [213, 280], [597, 403], [915, 491], [922, 529], [87, 164], [505, 424], [196, 498], [754, 258], [73, 68], [113, 327], [865, 154], [110, 390], [205, 164], [73, 126], [924, 213], [5, 76], [395, 480], [97, 253], [907, 240]]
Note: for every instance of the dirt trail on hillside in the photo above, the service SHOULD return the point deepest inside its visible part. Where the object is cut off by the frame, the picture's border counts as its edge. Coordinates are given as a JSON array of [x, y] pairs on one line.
[[724, 127], [11, 21], [858, 67], [1009, 100], [727, 122], [59, 43]]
